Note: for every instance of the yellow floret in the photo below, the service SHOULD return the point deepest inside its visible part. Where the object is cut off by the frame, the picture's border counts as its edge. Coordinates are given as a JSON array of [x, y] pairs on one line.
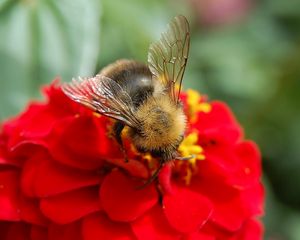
[[189, 147], [194, 104]]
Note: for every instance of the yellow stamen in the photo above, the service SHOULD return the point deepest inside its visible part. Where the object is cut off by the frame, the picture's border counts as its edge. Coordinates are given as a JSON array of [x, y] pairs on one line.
[[195, 105], [189, 147]]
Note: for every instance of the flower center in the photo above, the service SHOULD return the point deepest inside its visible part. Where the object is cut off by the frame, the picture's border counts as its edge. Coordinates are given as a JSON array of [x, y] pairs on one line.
[[182, 170], [189, 150]]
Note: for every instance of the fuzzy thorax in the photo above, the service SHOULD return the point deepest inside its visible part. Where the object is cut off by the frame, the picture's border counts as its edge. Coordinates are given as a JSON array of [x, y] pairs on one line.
[[162, 125]]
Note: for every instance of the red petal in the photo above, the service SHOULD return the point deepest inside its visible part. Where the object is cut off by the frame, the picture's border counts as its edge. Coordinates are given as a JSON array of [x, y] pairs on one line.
[[25, 149], [30, 211], [53, 178], [68, 207], [228, 207], [135, 168], [38, 233], [154, 225], [252, 200], [82, 142], [218, 136], [250, 230], [4, 225], [30, 170], [9, 195], [232, 207], [65, 154], [36, 121], [5, 159], [229, 214], [199, 236], [220, 116], [186, 210], [70, 231], [237, 164], [164, 178], [58, 101], [249, 170], [98, 226], [121, 199], [18, 231]]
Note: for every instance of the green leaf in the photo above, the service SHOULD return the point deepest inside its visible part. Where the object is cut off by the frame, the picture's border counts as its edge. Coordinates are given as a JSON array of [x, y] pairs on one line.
[[41, 40]]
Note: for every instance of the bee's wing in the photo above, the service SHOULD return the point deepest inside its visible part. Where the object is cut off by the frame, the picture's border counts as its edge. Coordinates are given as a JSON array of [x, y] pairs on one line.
[[167, 57], [103, 95]]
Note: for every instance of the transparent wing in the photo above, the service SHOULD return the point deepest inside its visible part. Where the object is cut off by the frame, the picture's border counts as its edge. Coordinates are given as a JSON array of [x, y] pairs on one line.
[[167, 57], [103, 95]]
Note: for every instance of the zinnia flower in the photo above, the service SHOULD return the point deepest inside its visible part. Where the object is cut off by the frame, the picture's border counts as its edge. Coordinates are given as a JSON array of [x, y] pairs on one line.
[[63, 176]]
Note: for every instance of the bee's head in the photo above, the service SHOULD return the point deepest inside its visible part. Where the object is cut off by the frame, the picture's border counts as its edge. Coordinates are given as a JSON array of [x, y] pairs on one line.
[[162, 125]]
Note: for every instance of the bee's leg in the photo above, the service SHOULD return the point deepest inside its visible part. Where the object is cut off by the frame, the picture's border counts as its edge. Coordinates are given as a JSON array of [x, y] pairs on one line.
[[154, 176], [117, 130]]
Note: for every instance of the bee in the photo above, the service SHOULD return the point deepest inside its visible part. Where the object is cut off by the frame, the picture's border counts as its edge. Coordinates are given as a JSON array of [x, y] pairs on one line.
[[143, 98]]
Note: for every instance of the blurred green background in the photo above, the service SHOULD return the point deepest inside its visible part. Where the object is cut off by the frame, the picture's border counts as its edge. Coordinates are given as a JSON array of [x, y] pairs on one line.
[[244, 52]]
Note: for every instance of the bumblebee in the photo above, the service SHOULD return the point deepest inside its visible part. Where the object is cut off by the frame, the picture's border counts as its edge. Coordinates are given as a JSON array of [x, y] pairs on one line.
[[145, 98]]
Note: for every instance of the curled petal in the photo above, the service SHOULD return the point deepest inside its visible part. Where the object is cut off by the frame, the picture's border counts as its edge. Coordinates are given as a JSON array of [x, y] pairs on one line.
[[134, 167], [199, 236], [98, 226], [68, 207], [9, 195], [30, 211], [70, 231], [123, 200], [38, 233], [248, 171], [251, 229], [164, 178], [29, 172], [220, 116], [229, 211], [5, 158], [154, 225], [17, 231], [82, 142], [54, 178], [186, 210]]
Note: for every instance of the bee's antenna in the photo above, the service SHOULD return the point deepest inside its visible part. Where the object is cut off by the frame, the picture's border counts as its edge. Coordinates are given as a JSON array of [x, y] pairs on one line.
[[185, 158]]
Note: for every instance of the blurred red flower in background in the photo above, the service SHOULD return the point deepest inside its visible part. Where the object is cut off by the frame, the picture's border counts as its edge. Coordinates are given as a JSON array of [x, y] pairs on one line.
[[62, 176], [221, 12]]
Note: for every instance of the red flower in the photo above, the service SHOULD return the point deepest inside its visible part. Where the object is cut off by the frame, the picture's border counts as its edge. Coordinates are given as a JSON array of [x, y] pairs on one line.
[[62, 176], [221, 12]]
